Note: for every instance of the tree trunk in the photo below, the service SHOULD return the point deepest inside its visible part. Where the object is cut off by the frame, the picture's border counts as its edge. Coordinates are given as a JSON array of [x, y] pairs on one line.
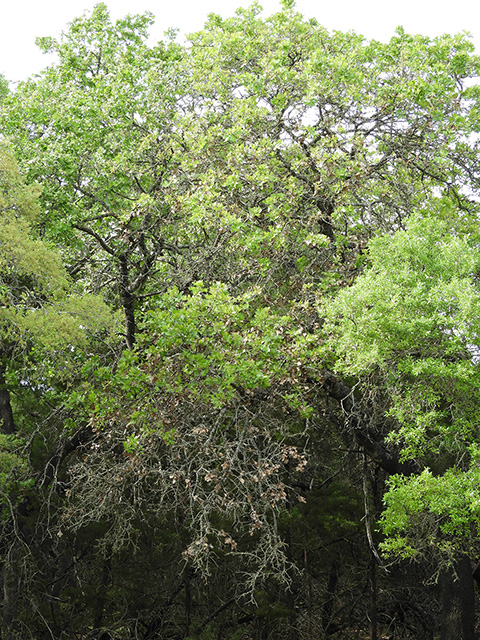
[[188, 604], [373, 598], [99, 606], [327, 610], [127, 300], [457, 598], [6, 414], [11, 581]]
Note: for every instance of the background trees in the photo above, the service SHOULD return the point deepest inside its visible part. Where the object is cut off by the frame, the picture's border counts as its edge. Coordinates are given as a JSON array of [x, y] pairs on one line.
[[285, 221], [408, 325]]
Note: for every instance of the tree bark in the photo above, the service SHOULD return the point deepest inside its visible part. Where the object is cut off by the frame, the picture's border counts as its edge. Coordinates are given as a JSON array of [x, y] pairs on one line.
[[127, 300], [99, 608], [372, 443], [327, 610], [457, 599], [61, 451], [373, 598], [11, 585], [6, 413]]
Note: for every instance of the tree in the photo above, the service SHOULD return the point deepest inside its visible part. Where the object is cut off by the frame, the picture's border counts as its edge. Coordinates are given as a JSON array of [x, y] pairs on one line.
[[110, 105], [38, 310], [408, 329], [42, 325], [213, 193]]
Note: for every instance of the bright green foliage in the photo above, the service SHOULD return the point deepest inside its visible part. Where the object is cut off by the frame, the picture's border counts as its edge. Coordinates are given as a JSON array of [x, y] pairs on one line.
[[211, 192], [98, 131], [250, 154], [16, 198], [321, 129], [411, 324], [3, 87], [433, 512], [35, 305], [209, 347], [44, 327], [95, 131]]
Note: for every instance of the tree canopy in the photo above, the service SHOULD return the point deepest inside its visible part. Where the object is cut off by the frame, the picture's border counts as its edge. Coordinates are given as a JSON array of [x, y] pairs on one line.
[[239, 329]]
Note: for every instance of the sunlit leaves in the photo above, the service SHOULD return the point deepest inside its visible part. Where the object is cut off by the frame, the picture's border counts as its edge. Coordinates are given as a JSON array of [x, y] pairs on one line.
[[410, 324], [429, 511], [210, 348], [37, 304]]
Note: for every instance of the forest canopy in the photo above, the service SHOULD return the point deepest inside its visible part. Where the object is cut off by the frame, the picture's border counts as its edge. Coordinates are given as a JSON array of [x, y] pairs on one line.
[[239, 323]]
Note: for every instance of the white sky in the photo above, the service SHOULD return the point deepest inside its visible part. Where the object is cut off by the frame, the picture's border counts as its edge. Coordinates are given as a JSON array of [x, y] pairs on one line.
[[21, 21]]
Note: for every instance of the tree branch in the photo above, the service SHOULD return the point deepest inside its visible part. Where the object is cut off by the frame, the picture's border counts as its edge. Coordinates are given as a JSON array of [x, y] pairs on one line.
[[373, 443]]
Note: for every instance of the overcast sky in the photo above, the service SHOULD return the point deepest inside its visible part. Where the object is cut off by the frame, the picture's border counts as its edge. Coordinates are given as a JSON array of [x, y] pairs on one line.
[[21, 21]]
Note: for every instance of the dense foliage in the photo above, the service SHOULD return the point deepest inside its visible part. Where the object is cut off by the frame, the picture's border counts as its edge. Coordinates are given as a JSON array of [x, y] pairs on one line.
[[239, 331]]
